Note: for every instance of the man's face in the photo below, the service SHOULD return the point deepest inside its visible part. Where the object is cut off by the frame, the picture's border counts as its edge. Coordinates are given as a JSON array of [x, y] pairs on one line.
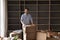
[[26, 10]]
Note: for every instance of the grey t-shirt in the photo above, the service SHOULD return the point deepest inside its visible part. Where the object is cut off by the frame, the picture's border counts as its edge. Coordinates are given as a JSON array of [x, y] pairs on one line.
[[26, 19]]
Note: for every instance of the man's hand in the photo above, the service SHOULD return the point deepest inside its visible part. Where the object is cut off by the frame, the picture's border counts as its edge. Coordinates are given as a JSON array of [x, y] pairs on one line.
[[33, 25], [30, 25]]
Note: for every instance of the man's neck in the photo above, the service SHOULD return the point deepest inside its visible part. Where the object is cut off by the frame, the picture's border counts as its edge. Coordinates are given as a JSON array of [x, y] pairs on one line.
[[26, 13]]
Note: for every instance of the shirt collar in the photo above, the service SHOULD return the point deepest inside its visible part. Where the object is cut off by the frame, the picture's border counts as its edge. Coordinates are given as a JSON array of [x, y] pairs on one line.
[[25, 14]]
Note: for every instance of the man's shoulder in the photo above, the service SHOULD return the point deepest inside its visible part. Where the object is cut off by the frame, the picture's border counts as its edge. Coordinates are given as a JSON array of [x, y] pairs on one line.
[[22, 15], [30, 15]]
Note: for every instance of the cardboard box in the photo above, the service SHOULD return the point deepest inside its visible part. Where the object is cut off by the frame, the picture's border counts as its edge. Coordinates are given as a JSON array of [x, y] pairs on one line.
[[41, 36], [6, 38], [1, 38], [31, 33]]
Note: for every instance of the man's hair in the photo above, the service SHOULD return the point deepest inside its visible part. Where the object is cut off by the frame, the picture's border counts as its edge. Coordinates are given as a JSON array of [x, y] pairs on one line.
[[26, 8]]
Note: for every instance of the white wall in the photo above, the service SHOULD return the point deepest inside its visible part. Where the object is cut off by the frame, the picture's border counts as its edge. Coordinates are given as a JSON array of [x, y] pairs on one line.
[[3, 14], [0, 17]]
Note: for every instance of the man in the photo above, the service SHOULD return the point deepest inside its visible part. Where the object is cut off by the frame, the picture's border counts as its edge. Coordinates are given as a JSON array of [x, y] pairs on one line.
[[26, 19]]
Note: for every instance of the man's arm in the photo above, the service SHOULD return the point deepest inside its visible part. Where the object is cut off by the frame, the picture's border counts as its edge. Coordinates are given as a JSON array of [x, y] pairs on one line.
[[22, 22], [22, 18], [31, 21]]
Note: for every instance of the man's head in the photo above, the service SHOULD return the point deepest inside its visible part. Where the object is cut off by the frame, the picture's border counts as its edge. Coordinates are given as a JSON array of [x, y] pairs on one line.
[[26, 10]]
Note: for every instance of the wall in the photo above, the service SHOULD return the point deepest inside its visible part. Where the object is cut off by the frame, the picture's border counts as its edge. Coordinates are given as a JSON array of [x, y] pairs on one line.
[[0, 17], [3, 19]]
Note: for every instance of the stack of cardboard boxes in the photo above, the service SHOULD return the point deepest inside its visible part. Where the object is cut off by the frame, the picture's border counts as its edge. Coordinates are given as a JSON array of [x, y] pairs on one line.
[[1, 38]]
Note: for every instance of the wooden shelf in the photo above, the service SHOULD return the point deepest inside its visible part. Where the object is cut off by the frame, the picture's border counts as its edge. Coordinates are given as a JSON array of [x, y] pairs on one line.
[[33, 18], [14, 18], [36, 24], [33, 11], [43, 12], [13, 24], [55, 18], [54, 24]]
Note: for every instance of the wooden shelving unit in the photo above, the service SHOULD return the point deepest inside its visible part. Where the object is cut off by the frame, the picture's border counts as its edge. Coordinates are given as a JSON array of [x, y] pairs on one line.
[[55, 15], [45, 13]]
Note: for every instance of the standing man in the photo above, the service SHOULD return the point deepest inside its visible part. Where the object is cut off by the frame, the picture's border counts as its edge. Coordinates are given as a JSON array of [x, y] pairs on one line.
[[26, 19]]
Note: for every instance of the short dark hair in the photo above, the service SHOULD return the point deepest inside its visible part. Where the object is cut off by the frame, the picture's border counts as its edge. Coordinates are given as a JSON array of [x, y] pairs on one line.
[[27, 8]]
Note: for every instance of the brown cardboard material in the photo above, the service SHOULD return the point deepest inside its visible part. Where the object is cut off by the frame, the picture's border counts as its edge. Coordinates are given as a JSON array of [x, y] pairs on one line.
[[41, 36]]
